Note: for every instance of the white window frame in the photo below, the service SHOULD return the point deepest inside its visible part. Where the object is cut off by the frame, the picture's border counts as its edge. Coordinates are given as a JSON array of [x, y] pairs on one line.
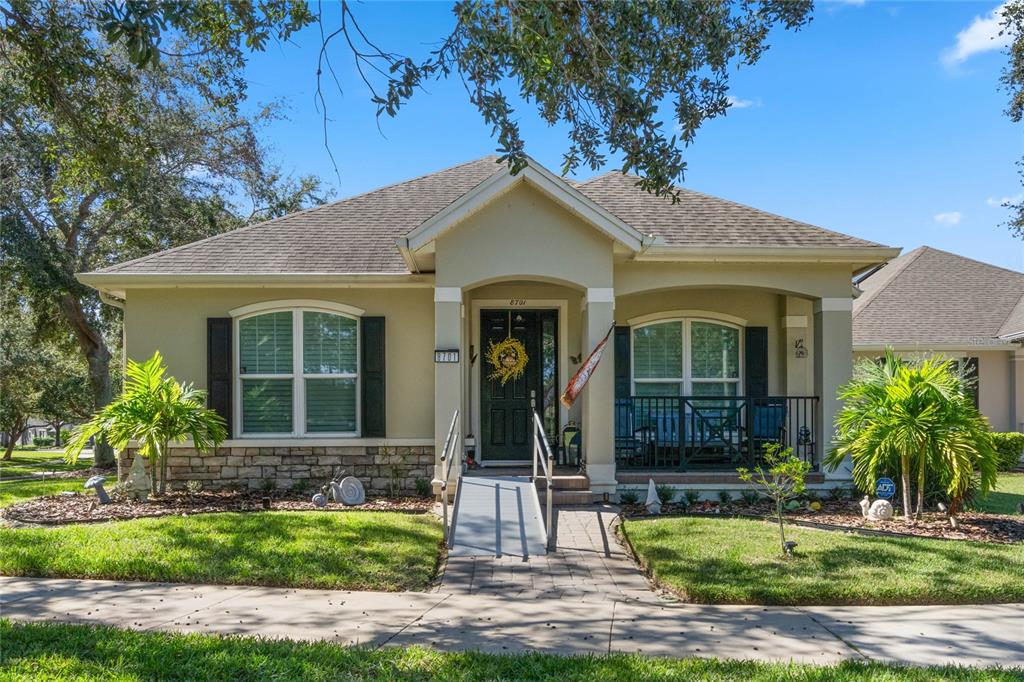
[[687, 381], [298, 376]]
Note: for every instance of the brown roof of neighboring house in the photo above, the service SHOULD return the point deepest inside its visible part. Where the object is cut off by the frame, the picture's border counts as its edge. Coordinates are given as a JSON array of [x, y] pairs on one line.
[[929, 297], [358, 235]]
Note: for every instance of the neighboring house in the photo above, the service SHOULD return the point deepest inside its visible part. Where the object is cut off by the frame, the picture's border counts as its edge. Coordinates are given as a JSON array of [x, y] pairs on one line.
[[315, 333], [929, 301]]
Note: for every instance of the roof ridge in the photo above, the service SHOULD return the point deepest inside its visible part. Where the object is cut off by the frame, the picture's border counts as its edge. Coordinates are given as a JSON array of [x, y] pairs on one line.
[[744, 206], [289, 216], [869, 296], [1013, 309], [1018, 273]]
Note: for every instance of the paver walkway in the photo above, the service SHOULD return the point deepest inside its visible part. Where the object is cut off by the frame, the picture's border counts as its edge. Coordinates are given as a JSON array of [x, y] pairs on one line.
[[586, 597], [587, 562]]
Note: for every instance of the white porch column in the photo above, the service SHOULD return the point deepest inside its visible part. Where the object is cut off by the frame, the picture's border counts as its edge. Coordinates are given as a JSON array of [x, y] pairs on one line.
[[447, 376], [599, 396], [1017, 389], [833, 366]]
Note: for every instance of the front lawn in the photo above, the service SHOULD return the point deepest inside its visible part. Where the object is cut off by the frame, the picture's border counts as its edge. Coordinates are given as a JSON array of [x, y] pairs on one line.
[[737, 561], [81, 652], [1004, 499], [346, 550], [28, 463], [12, 492]]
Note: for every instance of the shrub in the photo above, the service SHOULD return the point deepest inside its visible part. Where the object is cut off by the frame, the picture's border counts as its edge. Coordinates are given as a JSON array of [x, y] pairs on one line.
[[692, 497], [724, 497], [913, 418], [666, 493], [629, 497], [750, 497], [423, 487], [782, 477], [1009, 448], [42, 441], [300, 486], [194, 487]]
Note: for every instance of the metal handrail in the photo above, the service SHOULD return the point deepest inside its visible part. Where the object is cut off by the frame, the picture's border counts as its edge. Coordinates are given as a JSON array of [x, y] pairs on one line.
[[447, 455], [542, 453]]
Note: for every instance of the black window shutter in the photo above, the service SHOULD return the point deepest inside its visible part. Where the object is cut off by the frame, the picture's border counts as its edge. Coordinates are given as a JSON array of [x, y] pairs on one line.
[[970, 369], [371, 369], [756, 361], [623, 364], [218, 368]]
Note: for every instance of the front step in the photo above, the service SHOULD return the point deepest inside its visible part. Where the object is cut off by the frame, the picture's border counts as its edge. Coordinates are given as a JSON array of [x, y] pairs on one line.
[[566, 490]]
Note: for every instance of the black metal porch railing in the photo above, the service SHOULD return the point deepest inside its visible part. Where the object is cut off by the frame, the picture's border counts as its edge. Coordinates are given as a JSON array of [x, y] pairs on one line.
[[702, 433]]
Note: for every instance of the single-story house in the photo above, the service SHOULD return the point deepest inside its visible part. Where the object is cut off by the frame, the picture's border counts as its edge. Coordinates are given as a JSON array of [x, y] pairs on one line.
[[930, 302], [349, 335]]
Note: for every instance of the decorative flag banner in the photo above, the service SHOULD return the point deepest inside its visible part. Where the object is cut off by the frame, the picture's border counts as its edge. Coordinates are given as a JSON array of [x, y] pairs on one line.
[[583, 374]]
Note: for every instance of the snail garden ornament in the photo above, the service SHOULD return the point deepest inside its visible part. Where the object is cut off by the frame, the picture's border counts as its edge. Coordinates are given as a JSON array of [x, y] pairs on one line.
[[879, 510]]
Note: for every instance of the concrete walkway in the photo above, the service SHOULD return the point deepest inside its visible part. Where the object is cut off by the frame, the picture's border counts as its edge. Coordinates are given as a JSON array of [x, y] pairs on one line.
[[984, 636], [585, 597]]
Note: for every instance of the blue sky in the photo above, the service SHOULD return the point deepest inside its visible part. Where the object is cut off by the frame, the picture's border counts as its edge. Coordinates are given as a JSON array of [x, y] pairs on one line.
[[880, 119]]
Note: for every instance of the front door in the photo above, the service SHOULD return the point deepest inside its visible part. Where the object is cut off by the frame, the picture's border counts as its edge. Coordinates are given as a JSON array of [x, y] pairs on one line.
[[506, 410]]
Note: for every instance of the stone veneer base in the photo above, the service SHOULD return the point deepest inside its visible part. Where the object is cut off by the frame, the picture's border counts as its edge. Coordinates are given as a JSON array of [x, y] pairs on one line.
[[382, 470]]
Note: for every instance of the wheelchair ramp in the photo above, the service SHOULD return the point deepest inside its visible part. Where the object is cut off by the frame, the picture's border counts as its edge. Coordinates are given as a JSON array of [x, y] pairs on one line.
[[497, 516]]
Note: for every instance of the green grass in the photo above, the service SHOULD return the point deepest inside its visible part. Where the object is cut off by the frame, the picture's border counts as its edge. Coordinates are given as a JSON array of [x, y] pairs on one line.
[[345, 550], [81, 652], [1004, 499], [738, 561], [12, 492], [28, 463]]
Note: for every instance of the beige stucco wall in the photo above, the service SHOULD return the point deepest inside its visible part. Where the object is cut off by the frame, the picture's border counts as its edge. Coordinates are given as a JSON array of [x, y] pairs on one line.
[[757, 308], [523, 234], [173, 321], [994, 381]]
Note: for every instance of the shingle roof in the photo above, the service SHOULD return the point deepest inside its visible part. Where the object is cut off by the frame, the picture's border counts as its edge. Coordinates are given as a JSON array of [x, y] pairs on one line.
[[358, 234], [703, 220], [932, 297], [354, 235]]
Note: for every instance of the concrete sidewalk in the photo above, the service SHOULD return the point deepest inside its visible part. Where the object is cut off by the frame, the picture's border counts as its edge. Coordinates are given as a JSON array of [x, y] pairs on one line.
[[964, 635]]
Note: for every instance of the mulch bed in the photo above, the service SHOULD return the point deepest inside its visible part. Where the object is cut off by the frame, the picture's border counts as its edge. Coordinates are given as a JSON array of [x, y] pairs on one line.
[[845, 515], [84, 508]]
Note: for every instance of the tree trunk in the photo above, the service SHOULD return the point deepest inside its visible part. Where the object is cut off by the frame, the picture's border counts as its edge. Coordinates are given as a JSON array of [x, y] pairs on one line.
[[782, 527], [905, 483], [920, 487], [163, 468], [94, 348], [12, 438]]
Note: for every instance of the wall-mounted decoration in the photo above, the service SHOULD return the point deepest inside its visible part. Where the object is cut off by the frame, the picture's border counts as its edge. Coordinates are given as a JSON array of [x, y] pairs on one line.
[[799, 349], [507, 359], [447, 356]]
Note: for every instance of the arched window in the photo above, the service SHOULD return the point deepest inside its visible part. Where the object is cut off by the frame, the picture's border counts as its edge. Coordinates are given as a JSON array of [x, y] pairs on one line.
[[298, 372], [691, 357]]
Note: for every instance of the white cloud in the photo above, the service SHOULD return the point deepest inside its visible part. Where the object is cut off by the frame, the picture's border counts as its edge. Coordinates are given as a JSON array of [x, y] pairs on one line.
[[951, 218], [999, 203], [737, 103], [982, 35]]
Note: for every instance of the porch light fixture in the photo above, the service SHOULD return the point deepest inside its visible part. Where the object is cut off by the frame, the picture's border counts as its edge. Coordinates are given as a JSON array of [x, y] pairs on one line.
[[446, 356]]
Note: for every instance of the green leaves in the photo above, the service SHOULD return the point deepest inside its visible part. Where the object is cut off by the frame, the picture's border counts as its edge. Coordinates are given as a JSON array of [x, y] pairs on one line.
[[153, 410], [901, 414]]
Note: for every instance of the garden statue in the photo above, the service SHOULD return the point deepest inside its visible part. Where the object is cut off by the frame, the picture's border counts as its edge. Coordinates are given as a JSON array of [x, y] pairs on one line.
[[653, 502], [138, 480], [335, 494], [879, 510], [96, 482], [320, 500], [351, 491]]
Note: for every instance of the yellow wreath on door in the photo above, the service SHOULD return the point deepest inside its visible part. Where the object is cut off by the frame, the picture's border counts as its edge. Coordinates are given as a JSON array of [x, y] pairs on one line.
[[507, 358]]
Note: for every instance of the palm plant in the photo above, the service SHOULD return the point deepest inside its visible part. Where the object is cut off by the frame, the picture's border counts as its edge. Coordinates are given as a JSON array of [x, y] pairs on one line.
[[913, 416], [153, 410]]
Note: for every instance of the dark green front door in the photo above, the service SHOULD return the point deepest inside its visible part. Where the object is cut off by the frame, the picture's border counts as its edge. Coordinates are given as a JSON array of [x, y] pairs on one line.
[[506, 413]]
